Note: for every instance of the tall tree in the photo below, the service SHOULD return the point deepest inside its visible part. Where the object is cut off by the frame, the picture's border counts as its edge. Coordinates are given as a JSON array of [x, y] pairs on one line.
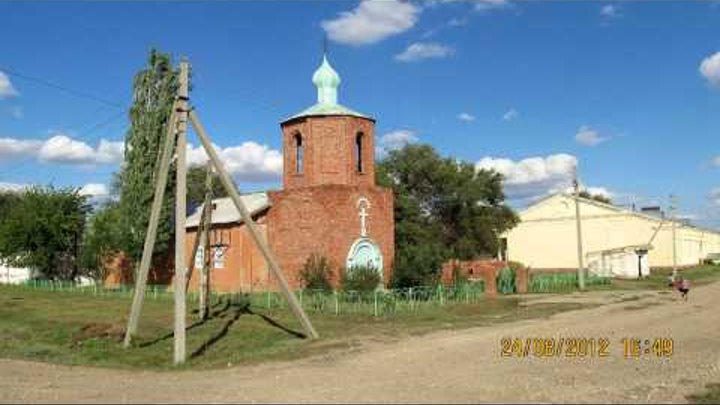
[[444, 209], [196, 186], [42, 230], [103, 238], [154, 92]]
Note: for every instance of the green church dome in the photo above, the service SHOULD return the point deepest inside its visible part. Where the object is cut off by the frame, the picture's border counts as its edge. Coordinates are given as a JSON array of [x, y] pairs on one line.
[[327, 80]]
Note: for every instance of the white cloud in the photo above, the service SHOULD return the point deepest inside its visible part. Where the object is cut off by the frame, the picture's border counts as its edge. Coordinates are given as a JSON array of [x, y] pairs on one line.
[[457, 22], [63, 149], [94, 190], [532, 177], [12, 186], [249, 161], [715, 196], [716, 161], [393, 140], [466, 117], [510, 115], [109, 152], [372, 21], [398, 138], [6, 87], [710, 69], [10, 147], [490, 5], [589, 137], [610, 11], [419, 50]]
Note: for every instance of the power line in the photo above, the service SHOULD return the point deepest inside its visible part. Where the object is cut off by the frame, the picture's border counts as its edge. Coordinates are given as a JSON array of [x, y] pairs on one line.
[[77, 93]]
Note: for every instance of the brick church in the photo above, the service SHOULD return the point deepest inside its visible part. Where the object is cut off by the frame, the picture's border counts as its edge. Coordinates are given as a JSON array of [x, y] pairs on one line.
[[329, 203]]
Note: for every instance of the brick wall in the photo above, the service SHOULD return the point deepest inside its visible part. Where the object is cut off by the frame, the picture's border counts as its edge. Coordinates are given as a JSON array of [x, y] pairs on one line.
[[244, 268], [325, 220], [329, 154]]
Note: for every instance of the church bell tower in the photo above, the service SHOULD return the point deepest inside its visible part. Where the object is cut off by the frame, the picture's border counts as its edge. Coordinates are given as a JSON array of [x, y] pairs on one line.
[[330, 204], [328, 143]]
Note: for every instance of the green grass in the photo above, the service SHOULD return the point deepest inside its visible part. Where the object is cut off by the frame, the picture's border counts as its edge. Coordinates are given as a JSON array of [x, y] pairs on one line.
[[657, 280], [70, 327], [710, 396]]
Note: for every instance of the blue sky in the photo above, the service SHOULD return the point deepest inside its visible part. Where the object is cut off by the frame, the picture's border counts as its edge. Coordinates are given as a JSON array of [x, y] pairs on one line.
[[629, 90]]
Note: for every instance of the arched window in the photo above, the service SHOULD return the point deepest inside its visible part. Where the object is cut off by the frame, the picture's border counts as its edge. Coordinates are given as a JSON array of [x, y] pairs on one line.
[[298, 154], [359, 152]]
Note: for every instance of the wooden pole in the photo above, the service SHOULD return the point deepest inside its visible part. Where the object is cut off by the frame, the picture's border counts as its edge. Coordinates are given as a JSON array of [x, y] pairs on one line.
[[180, 215], [254, 233], [196, 246], [161, 176], [581, 267], [205, 240]]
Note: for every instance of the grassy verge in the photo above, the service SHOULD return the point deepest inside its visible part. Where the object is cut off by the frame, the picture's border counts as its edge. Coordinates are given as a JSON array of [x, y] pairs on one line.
[[71, 328], [710, 396], [658, 279]]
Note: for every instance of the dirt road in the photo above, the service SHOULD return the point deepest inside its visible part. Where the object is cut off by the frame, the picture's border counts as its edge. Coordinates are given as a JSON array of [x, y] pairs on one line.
[[457, 366]]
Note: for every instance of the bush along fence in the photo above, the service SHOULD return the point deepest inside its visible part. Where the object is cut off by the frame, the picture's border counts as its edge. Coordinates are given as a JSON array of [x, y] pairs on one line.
[[562, 282], [375, 303]]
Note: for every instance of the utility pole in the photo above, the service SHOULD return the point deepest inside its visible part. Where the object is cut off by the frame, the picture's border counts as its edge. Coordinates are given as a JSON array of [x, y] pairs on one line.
[[161, 176], [180, 214], [581, 269], [204, 230], [673, 207], [177, 132]]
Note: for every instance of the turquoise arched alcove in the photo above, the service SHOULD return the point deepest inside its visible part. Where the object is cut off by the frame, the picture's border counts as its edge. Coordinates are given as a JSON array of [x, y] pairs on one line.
[[365, 252]]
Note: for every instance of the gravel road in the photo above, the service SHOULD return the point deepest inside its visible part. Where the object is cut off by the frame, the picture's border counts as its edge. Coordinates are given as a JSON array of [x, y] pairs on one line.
[[448, 366]]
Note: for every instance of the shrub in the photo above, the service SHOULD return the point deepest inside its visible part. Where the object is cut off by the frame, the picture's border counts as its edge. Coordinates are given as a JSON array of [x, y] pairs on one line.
[[361, 278], [506, 280], [515, 266], [316, 273]]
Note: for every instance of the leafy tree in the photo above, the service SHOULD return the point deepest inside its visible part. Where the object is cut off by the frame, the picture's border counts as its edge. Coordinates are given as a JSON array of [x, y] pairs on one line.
[[42, 230], [103, 237], [7, 200], [196, 186], [444, 208], [154, 93], [597, 197]]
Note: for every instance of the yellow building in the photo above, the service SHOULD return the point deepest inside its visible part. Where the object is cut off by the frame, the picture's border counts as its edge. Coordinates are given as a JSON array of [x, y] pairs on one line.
[[546, 238]]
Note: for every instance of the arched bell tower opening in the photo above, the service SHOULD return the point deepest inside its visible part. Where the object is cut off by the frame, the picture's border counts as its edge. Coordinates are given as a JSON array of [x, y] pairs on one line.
[[299, 153], [359, 163]]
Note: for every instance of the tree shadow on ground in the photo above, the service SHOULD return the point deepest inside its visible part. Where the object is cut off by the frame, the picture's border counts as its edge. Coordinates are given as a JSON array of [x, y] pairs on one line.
[[274, 323], [239, 311], [219, 312]]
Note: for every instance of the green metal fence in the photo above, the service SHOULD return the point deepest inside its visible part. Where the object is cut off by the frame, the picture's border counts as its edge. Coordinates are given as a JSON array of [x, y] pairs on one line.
[[376, 303]]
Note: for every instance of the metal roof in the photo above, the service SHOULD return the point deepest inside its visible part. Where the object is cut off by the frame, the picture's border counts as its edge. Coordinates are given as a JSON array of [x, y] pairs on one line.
[[224, 211]]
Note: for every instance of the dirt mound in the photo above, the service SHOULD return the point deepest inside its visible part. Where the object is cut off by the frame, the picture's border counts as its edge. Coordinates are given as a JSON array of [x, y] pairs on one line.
[[99, 331]]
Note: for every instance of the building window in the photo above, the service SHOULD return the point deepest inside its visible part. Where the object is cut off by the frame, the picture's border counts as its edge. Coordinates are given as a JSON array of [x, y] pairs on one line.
[[298, 154], [359, 152], [218, 256], [199, 258]]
